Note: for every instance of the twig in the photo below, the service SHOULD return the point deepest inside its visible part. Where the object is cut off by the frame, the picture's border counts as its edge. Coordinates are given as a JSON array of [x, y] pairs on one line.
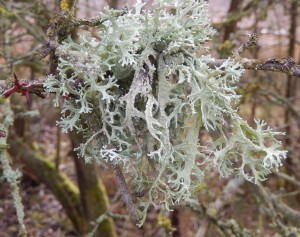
[[43, 51], [202, 230], [66, 25], [287, 212], [287, 195], [88, 22], [253, 39], [276, 208], [31, 87], [126, 197], [58, 147], [282, 101], [230, 190], [284, 65], [25, 87], [288, 178], [97, 20]]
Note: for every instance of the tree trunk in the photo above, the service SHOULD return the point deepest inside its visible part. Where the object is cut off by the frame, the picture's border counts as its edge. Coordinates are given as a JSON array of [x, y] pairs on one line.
[[233, 9], [82, 205], [291, 86], [63, 189], [93, 194]]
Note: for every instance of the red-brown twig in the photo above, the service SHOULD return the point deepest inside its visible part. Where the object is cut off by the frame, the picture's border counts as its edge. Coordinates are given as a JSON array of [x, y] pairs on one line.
[[25, 87]]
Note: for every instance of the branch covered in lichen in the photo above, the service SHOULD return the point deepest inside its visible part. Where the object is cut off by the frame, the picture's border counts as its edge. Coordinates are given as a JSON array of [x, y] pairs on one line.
[[284, 65], [144, 94], [10, 175], [97, 21], [140, 93]]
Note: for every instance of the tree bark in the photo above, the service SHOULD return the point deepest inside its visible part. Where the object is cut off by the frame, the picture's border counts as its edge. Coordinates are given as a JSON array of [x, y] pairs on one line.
[[63, 189], [290, 85], [291, 88], [93, 194], [81, 207]]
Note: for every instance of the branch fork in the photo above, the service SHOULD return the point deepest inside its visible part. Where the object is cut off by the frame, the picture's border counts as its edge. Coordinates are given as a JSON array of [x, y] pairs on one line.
[[25, 87]]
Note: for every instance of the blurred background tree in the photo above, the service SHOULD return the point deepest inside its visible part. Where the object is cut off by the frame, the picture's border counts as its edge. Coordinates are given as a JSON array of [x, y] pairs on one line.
[[64, 197]]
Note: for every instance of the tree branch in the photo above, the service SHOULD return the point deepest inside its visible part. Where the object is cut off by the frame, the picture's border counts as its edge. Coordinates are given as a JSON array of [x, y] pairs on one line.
[[25, 87], [253, 39], [284, 65], [277, 210], [126, 197], [97, 20], [289, 178], [43, 51], [212, 211]]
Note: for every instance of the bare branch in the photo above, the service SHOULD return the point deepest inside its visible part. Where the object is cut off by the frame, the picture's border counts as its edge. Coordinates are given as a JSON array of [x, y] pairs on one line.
[[126, 197], [25, 87], [277, 208], [283, 101], [289, 213], [290, 179], [253, 39], [228, 194], [43, 51]]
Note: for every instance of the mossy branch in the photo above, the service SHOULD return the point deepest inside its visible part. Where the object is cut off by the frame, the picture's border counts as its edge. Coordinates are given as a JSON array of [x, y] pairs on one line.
[[64, 190]]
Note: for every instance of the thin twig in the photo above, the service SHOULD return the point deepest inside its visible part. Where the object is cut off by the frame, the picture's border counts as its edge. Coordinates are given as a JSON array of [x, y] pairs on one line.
[[253, 39], [43, 51], [126, 197], [289, 178], [277, 208], [25, 87], [287, 195], [284, 65], [97, 20], [228, 194]]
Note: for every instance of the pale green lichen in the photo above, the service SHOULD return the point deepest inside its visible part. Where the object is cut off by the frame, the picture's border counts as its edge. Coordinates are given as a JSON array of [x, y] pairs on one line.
[[141, 92], [9, 175]]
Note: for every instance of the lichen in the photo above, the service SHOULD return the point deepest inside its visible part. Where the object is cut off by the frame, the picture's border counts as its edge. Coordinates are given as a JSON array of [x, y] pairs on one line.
[[142, 90]]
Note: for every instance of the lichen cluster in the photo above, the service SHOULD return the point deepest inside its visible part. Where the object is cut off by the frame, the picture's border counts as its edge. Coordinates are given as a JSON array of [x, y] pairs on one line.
[[140, 91]]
